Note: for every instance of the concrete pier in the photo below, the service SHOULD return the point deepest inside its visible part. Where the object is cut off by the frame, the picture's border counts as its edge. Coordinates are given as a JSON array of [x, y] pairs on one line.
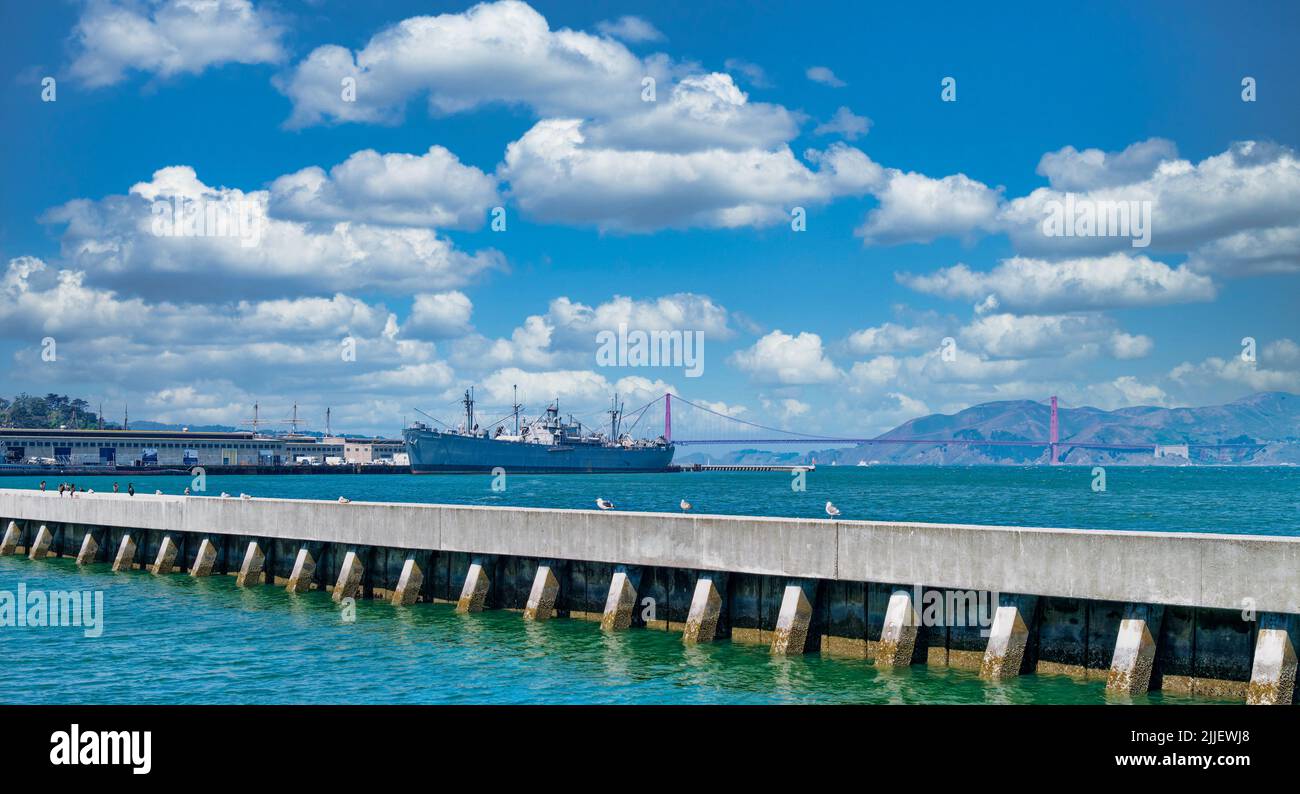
[[474, 594], [1272, 676], [706, 607], [304, 570], [125, 558], [89, 549], [898, 636], [791, 635], [409, 583], [204, 559], [1152, 609], [41, 545], [1006, 649], [619, 604], [165, 563], [1135, 653], [12, 537], [541, 599], [250, 570], [348, 584]]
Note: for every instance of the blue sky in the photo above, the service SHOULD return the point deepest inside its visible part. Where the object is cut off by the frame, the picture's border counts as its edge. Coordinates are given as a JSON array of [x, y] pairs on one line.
[[923, 216]]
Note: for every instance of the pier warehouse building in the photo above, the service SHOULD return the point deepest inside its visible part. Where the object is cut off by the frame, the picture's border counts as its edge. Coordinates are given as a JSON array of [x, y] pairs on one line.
[[135, 448]]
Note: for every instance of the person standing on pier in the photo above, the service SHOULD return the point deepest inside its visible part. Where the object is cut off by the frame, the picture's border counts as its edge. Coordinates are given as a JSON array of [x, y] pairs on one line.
[[62, 487], [130, 489], [114, 487], [42, 486]]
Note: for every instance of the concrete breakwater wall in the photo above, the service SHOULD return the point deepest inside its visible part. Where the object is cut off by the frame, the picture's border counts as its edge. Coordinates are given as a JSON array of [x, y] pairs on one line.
[[1202, 613]]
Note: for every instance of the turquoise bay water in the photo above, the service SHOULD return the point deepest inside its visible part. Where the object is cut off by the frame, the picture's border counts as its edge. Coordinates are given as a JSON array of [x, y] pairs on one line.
[[181, 640]]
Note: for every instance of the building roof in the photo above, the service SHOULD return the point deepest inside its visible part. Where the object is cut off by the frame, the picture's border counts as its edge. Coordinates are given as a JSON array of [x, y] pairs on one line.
[[115, 435]]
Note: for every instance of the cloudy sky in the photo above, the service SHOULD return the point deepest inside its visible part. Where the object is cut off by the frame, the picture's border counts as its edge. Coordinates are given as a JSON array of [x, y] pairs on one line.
[[848, 203]]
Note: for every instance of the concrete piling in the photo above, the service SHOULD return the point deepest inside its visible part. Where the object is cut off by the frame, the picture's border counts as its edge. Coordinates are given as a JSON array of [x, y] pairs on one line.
[[9, 545], [702, 618], [619, 603], [1272, 674], [1135, 653], [125, 554], [791, 634], [166, 560], [89, 549], [204, 559], [408, 583], [1006, 649], [349, 581], [898, 635], [474, 593], [304, 568], [41, 546], [541, 600], [250, 570]]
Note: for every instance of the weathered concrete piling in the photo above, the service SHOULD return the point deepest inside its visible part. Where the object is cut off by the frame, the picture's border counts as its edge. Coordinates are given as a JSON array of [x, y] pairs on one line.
[[898, 637], [619, 604], [1006, 649], [1141, 610], [125, 554], [250, 570], [408, 583], [541, 599], [474, 594], [349, 581], [1272, 677], [1135, 654], [9, 544], [204, 559], [304, 570], [706, 608], [165, 563], [41, 546], [89, 549], [792, 622]]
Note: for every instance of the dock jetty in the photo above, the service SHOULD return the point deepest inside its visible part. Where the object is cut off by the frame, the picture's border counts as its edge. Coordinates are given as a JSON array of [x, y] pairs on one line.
[[1209, 614]]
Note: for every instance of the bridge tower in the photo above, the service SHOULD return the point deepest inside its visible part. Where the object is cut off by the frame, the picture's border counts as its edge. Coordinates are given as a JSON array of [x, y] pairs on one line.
[[668, 417], [1054, 434]]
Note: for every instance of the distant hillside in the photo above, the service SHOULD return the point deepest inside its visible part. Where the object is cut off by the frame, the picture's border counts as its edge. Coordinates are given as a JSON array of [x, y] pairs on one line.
[[1268, 417], [146, 425], [49, 412]]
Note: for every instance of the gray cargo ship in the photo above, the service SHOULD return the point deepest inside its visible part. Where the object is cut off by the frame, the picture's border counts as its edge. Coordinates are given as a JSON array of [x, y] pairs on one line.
[[545, 445]]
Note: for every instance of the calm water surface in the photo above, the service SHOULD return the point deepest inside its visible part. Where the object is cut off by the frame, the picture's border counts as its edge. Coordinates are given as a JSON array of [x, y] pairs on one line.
[[182, 640]]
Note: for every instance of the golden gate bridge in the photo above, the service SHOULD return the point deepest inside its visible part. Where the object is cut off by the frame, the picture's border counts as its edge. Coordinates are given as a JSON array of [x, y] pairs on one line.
[[1053, 443]]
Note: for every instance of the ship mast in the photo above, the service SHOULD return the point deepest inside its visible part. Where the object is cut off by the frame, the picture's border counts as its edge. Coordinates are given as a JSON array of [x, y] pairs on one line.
[[517, 406], [469, 409], [614, 411]]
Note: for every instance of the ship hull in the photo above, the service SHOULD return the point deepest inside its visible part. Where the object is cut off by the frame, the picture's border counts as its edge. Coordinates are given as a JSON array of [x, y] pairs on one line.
[[443, 453]]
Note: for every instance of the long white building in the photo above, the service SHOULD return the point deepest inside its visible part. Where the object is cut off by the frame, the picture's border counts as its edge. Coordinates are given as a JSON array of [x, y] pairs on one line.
[[27, 446]]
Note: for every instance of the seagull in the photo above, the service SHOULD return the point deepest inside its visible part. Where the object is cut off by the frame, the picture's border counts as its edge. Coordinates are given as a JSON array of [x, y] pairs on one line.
[[603, 505], [157, 493], [685, 505], [832, 510], [225, 495], [344, 500], [245, 496]]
